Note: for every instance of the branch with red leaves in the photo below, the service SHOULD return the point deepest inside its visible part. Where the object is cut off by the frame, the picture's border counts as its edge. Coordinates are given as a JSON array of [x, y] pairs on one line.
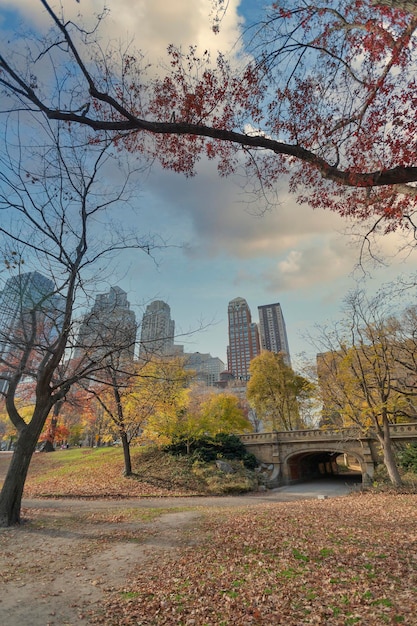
[[343, 113]]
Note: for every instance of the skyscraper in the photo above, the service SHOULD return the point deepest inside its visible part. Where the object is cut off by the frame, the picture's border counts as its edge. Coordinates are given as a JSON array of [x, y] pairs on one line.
[[207, 368], [158, 330], [110, 326], [273, 334], [30, 317], [243, 339]]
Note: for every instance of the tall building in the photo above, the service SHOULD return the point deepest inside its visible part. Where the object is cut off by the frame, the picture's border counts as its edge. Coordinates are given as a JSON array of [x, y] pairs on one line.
[[30, 313], [273, 334], [109, 326], [158, 330], [243, 339], [207, 368]]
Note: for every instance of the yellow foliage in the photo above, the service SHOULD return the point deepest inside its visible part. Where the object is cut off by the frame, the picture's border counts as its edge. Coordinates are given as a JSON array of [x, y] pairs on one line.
[[276, 392]]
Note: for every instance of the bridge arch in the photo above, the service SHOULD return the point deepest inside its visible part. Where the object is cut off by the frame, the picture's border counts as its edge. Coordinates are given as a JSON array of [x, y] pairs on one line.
[[296, 455], [310, 464]]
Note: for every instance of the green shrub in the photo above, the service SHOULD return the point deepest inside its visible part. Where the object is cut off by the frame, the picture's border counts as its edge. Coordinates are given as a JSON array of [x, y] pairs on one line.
[[207, 449], [407, 458]]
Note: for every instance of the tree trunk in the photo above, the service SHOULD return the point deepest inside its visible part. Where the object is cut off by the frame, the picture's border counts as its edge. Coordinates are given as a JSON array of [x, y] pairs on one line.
[[389, 455], [126, 454], [50, 437], [47, 447], [12, 491]]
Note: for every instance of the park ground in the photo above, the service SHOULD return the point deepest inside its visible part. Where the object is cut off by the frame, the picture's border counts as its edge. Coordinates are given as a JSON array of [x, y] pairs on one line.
[[279, 557]]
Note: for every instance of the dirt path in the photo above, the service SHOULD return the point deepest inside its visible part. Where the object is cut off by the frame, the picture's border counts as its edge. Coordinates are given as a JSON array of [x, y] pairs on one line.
[[57, 567], [59, 564]]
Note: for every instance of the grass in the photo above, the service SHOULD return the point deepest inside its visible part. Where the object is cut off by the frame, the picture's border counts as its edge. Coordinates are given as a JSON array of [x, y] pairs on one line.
[[98, 472], [338, 562]]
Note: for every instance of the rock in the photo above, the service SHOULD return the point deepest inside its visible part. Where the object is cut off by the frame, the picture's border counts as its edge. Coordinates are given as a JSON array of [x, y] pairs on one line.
[[225, 467]]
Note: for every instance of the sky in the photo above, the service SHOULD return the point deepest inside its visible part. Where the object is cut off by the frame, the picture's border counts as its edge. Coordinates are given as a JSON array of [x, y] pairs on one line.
[[221, 245]]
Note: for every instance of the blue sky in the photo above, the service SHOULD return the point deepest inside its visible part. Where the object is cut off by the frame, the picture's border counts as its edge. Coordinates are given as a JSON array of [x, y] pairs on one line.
[[222, 247]]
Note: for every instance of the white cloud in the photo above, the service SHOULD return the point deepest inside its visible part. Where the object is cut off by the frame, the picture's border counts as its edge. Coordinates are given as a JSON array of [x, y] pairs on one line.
[[221, 217], [149, 25], [156, 24], [234, 249], [291, 264]]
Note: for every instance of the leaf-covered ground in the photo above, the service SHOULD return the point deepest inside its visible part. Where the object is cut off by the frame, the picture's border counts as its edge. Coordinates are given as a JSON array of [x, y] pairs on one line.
[[337, 562], [98, 472], [332, 562]]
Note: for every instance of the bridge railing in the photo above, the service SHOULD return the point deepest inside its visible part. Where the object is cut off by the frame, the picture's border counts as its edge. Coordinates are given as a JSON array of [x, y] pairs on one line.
[[403, 430], [340, 434], [301, 435]]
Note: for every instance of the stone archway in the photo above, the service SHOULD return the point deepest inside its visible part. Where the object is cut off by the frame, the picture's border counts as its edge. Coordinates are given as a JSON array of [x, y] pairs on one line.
[[310, 464], [304, 447]]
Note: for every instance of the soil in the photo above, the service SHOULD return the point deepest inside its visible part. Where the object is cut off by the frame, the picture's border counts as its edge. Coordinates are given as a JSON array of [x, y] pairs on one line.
[[58, 565]]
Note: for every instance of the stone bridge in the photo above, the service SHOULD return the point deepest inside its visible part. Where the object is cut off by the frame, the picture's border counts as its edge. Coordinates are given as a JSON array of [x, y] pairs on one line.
[[306, 454]]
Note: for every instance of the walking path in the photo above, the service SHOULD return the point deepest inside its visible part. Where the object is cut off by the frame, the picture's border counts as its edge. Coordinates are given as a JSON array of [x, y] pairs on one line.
[[58, 567]]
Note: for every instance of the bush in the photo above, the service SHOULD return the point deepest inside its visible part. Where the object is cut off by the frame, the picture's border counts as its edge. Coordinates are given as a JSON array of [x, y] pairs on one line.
[[218, 483], [207, 449], [407, 458]]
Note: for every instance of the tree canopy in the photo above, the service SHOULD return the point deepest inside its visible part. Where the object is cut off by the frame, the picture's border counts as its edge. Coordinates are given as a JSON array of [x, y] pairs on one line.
[[276, 392], [177, 410], [326, 97]]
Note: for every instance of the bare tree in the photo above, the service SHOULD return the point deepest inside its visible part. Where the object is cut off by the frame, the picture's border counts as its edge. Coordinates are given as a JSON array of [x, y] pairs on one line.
[[52, 198]]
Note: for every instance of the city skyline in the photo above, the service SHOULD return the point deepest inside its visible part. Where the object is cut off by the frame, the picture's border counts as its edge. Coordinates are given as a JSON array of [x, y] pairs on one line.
[[221, 240], [110, 324], [154, 333]]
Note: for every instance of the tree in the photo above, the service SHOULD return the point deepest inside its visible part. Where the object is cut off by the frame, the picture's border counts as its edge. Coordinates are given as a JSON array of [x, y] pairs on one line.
[[51, 196], [112, 387], [275, 392], [107, 336], [7, 431], [177, 411], [222, 413], [60, 433], [327, 99], [163, 394], [98, 428], [75, 416], [207, 415], [404, 340], [360, 375]]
